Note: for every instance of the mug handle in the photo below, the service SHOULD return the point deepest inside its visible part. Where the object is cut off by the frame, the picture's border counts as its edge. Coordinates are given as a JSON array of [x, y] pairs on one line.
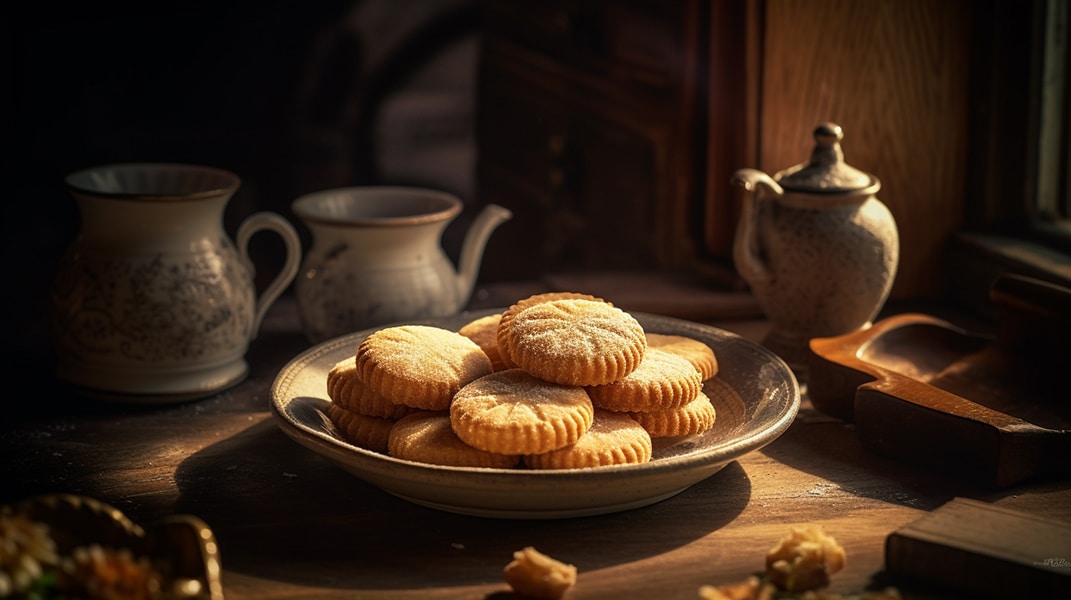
[[269, 221]]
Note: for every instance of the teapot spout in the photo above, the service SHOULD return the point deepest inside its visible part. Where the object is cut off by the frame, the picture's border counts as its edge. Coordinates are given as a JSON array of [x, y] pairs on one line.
[[473, 246]]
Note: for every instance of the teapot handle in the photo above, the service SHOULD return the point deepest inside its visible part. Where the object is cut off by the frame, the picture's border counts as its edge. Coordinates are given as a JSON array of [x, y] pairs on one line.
[[269, 221], [747, 253], [751, 179]]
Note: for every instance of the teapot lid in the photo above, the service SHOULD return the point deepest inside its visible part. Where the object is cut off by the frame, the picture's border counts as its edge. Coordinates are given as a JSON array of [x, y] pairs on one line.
[[826, 172]]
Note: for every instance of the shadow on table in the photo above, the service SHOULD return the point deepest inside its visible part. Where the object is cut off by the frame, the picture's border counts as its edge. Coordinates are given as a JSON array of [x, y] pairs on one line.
[[829, 448], [281, 512]]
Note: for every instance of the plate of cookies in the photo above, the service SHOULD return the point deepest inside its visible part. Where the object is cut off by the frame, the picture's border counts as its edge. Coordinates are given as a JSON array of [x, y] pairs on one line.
[[561, 405]]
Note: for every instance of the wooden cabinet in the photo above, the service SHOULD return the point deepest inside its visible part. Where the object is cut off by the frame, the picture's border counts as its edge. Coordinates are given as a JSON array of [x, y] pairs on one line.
[[895, 76], [588, 131], [611, 128]]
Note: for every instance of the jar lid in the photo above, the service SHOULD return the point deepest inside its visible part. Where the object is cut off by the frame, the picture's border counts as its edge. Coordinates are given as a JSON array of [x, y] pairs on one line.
[[826, 172]]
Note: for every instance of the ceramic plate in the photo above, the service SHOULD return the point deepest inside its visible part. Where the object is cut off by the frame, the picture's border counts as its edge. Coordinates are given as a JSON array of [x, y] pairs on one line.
[[755, 394]]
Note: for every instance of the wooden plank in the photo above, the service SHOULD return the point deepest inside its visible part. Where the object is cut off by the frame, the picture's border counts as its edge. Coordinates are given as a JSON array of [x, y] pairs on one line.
[[985, 550]]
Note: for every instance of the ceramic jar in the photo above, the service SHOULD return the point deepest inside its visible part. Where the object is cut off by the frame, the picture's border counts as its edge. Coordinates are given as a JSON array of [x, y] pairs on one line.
[[152, 302], [376, 257], [817, 247]]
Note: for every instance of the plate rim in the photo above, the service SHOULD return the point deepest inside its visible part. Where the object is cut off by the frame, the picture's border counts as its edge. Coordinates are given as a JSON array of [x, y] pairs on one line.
[[343, 453]]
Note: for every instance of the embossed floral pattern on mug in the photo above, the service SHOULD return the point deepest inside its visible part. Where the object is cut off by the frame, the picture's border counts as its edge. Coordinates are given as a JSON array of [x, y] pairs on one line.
[[167, 310], [152, 299]]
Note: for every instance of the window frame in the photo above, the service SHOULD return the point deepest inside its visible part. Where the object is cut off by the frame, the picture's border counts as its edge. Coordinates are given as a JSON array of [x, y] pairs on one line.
[[1003, 231]]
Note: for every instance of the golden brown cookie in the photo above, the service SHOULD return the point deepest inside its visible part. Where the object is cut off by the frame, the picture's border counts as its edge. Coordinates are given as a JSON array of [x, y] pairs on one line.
[[427, 437], [418, 365], [502, 335], [484, 331], [576, 342], [512, 412], [696, 352], [366, 432], [693, 418], [662, 380], [345, 388], [614, 439]]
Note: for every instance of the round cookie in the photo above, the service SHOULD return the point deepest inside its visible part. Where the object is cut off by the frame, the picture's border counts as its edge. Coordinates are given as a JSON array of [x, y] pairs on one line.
[[484, 331], [419, 366], [694, 351], [693, 418], [370, 433], [576, 342], [512, 412], [506, 318], [614, 439], [662, 380], [345, 388], [427, 437]]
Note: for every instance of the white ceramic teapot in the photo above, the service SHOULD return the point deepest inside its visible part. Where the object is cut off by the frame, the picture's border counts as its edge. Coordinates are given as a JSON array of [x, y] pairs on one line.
[[152, 302], [376, 257], [817, 247]]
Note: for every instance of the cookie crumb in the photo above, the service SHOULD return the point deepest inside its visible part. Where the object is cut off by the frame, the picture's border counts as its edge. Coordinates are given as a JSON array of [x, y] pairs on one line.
[[535, 575]]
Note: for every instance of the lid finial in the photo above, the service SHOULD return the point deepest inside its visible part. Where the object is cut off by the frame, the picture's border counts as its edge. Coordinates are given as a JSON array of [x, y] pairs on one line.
[[826, 171]]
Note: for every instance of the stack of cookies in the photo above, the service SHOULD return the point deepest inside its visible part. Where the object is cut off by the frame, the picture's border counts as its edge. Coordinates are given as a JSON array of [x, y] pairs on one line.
[[557, 381]]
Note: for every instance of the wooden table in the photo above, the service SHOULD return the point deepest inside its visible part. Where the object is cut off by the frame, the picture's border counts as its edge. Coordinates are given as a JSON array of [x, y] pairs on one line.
[[292, 525]]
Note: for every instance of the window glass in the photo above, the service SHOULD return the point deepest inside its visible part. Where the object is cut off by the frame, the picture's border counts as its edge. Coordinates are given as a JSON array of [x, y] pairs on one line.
[[1053, 200]]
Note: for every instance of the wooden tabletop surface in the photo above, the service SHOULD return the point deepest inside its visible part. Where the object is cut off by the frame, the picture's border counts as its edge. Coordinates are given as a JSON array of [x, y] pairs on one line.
[[292, 525]]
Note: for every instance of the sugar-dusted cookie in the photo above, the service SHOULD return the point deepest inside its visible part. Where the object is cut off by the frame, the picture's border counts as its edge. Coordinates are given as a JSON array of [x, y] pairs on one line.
[[506, 318], [613, 439], [484, 331], [695, 351], [418, 365], [345, 388], [693, 418], [426, 436], [662, 380], [512, 412], [366, 432], [576, 341]]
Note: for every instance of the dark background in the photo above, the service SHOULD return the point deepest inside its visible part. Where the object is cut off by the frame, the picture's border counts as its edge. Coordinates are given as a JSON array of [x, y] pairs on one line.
[[293, 96]]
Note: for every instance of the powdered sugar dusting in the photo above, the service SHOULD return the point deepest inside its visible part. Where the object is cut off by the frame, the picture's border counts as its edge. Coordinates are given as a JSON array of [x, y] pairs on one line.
[[553, 339]]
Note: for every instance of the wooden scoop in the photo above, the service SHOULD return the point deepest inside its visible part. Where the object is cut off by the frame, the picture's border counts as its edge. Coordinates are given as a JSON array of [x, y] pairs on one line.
[[993, 410]]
